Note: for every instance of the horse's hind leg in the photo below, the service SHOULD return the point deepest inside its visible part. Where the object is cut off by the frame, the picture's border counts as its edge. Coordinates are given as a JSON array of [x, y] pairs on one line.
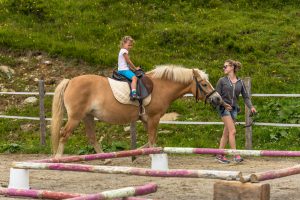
[[90, 132], [65, 134]]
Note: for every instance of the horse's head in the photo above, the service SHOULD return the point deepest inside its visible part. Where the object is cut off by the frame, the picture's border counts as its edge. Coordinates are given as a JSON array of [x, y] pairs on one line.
[[202, 89]]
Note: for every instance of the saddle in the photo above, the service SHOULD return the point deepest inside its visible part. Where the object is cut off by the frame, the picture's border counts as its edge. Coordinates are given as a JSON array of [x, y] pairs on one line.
[[143, 89], [144, 85]]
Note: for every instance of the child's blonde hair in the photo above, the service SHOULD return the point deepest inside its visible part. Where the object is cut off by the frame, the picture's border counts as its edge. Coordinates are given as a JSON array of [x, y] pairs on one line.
[[126, 39]]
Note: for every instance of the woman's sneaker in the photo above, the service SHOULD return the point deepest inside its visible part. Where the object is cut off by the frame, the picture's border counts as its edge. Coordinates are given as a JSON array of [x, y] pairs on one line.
[[222, 159], [238, 159]]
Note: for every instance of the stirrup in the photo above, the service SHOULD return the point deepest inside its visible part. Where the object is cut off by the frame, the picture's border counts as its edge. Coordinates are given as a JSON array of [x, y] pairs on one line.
[[133, 98]]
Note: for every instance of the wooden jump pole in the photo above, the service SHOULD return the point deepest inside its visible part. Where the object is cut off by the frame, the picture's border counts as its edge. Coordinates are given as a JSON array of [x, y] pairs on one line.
[[45, 194], [37, 194], [209, 174], [177, 150], [120, 193], [102, 156], [273, 174]]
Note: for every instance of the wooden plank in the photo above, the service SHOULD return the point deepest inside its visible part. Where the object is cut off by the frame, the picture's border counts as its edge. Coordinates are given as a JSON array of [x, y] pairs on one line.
[[233, 190]]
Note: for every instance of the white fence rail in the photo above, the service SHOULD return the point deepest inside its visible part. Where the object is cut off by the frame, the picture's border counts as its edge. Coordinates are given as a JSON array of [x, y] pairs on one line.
[[169, 122]]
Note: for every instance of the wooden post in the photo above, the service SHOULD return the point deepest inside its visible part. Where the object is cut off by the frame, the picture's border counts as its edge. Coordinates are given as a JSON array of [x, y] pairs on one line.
[[133, 138], [248, 130], [233, 190], [42, 112]]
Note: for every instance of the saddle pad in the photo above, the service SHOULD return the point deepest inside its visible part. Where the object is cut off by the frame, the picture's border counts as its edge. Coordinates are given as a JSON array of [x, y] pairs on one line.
[[121, 92]]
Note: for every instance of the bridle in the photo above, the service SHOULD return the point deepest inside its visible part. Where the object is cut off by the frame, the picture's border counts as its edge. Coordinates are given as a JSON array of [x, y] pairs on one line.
[[200, 89]]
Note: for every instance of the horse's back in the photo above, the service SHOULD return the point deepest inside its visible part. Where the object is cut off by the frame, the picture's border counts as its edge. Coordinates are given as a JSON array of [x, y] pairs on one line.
[[82, 90], [92, 94], [88, 78]]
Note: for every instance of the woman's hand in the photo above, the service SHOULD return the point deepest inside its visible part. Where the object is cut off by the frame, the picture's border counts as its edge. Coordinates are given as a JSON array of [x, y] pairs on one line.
[[253, 110], [227, 106]]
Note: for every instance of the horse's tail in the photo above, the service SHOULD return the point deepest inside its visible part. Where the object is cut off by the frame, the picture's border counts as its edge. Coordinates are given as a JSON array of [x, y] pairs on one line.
[[57, 113]]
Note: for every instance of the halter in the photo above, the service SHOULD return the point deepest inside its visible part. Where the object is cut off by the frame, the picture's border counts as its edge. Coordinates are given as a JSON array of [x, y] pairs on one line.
[[199, 87]]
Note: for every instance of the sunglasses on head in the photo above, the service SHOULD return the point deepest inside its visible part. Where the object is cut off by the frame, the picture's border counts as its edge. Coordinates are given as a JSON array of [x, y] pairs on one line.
[[225, 66]]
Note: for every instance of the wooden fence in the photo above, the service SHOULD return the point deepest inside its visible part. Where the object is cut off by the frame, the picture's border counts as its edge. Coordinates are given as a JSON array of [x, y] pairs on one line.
[[248, 130]]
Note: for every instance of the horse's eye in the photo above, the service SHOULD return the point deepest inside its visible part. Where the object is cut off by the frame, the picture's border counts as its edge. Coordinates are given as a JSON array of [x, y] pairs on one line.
[[204, 85]]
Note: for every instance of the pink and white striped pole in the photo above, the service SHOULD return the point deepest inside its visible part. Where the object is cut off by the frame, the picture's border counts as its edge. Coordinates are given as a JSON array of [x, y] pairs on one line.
[[102, 156], [210, 174], [213, 151], [273, 174], [45, 194], [120, 193], [175, 150], [37, 194]]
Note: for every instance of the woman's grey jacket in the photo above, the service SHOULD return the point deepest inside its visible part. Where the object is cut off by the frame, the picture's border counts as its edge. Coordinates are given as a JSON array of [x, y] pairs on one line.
[[230, 92]]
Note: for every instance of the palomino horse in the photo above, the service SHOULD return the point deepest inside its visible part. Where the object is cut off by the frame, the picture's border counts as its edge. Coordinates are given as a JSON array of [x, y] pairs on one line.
[[88, 96]]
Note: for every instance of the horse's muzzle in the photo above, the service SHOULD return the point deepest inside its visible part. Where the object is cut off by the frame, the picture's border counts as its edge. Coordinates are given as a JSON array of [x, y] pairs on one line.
[[215, 99]]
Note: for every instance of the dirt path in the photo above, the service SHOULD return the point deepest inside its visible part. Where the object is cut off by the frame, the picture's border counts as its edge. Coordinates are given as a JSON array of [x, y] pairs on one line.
[[169, 188]]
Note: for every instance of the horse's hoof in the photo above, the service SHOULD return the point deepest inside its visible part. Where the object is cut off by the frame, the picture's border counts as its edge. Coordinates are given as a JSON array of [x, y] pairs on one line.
[[57, 156], [107, 161]]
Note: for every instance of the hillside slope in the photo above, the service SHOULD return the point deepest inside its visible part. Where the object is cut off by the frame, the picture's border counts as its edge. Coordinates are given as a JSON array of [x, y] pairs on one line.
[[264, 36]]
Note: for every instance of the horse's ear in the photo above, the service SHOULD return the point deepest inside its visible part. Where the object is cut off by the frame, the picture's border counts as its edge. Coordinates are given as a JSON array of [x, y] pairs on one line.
[[195, 73]]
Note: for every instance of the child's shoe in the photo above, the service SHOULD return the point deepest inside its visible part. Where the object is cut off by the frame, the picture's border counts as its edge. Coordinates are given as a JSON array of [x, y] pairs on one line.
[[133, 95]]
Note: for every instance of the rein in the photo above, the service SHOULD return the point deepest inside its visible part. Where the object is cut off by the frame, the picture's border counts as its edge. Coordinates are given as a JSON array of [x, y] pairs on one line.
[[199, 88]]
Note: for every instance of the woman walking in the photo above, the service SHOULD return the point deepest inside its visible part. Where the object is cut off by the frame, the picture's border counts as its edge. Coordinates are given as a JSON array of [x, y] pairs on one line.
[[230, 87]]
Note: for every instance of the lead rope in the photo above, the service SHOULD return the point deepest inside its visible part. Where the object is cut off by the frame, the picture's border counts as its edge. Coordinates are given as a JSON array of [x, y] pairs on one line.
[[253, 120]]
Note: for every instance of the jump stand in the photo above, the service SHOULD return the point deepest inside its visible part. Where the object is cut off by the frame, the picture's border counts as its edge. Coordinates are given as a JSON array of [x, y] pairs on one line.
[[233, 190], [19, 179], [159, 161]]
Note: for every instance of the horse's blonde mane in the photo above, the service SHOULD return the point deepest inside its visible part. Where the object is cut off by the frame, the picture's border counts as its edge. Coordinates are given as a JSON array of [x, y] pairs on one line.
[[176, 73]]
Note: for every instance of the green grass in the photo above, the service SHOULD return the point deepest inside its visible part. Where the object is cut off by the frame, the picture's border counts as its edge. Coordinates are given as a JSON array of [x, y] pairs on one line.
[[263, 35]]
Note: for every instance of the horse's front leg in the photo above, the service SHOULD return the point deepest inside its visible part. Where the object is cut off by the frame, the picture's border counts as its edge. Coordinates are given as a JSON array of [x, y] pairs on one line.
[[152, 125], [89, 123]]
